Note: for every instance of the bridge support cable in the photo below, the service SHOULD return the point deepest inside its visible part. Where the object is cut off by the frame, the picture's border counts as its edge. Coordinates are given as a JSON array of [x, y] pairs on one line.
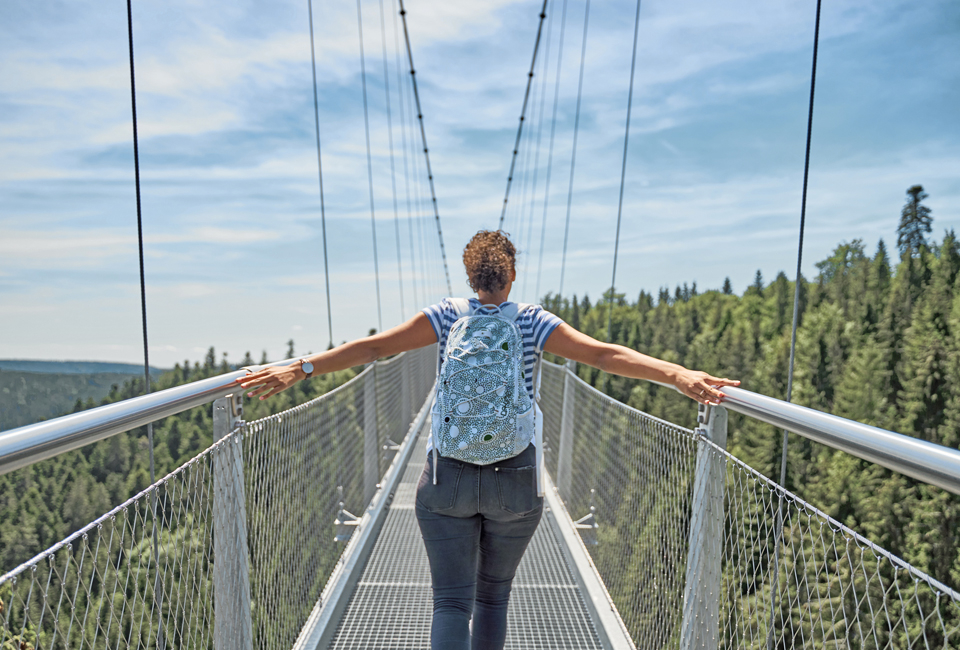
[[524, 173], [523, 111], [573, 153], [426, 149], [553, 131], [796, 306], [417, 197], [536, 161], [366, 126], [623, 173], [157, 594], [426, 265], [393, 172], [406, 166], [323, 213]]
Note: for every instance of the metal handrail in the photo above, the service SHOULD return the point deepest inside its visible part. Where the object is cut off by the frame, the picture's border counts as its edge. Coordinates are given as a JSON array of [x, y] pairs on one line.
[[924, 461], [919, 459], [28, 444]]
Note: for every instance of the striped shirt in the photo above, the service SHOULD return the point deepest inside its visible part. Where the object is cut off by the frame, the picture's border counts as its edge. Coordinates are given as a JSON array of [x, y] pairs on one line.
[[536, 325]]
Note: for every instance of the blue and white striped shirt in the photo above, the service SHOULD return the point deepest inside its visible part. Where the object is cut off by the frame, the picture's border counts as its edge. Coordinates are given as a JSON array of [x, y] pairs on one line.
[[536, 326]]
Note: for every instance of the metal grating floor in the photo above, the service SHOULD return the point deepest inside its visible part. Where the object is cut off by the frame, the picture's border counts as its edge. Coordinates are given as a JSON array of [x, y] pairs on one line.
[[391, 606]]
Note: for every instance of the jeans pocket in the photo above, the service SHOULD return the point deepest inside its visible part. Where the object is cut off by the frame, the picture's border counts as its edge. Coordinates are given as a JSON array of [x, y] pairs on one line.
[[443, 495], [517, 487]]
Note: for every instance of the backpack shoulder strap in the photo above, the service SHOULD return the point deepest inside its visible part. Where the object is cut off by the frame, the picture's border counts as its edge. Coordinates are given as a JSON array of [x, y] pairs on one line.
[[515, 309], [462, 307]]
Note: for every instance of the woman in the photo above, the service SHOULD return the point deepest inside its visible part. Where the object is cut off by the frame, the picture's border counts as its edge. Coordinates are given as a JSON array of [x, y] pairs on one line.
[[476, 520]]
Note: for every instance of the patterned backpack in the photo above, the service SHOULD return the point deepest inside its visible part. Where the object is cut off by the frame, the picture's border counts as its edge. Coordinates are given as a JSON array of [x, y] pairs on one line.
[[483, 413]]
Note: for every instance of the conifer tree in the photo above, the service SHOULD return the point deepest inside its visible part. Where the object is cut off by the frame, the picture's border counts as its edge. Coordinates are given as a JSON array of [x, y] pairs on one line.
[[926, 350], [915, 222], [758, 283], [878, 284]]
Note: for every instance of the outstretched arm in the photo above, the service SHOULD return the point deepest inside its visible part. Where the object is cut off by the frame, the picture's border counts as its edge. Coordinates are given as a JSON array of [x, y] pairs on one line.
[[415, 333], [568, 343]]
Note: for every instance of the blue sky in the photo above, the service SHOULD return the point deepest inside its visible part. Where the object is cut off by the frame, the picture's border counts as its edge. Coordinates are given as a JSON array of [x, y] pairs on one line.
[[229, 176]]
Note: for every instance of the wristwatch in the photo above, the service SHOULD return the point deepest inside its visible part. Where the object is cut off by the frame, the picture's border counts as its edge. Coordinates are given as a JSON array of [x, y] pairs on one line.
[[306, 367]]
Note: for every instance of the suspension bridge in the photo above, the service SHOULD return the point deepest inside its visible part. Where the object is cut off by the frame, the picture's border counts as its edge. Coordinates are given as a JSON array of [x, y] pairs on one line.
[[297, 530]]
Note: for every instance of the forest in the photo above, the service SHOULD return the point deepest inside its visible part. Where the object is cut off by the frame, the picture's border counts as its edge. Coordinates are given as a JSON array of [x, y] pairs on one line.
[[47, 501], [877, 342]]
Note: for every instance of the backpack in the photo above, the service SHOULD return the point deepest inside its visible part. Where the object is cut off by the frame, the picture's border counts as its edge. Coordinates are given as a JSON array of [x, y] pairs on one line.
[[483, 413]]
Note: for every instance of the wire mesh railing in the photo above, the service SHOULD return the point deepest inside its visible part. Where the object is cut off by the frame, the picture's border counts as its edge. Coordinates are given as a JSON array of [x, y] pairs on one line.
[[696, 549], [233, 548]]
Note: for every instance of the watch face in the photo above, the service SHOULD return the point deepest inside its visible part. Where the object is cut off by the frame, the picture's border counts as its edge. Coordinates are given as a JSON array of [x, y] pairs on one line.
[[307, 367]]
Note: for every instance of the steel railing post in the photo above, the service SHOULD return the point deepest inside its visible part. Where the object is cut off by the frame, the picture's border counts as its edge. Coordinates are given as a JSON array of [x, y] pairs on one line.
[[701, 596], [371, 446], [565, 454], [233, 624]]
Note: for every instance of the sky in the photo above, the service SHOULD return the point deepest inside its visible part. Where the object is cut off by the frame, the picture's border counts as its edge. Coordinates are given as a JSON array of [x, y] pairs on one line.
[[229, 178]]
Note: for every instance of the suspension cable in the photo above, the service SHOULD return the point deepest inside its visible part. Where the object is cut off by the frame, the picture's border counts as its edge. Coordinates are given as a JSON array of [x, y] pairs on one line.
[[157, 592], [803, 218], [553, 130], [323, 215], [406, 168], [796, 315], [136, 175], [426, 263], [393, 173], [573, 155], [523, 110], [523, 174], [536, 159], [366, 125], [426, 150], [623, 169], [425, 270]]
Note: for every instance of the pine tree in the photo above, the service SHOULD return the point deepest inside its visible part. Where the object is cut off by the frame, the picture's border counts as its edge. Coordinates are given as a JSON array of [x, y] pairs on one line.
[[926, 350], [758, 283], [727, 287], [915, 222], [210, 360], [878, 284]]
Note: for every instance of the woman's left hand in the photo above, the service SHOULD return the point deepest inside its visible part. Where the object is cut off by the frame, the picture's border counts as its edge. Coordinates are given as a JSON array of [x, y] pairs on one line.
[[267, 382], [700, 386]]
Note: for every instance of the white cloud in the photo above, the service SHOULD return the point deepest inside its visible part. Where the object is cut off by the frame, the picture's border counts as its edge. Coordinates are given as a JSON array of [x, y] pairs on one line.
[[229, 168]]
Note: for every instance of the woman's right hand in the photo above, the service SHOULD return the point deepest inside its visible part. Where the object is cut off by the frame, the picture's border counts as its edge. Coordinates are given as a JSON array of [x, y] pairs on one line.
[[702, 387], [269, 381]]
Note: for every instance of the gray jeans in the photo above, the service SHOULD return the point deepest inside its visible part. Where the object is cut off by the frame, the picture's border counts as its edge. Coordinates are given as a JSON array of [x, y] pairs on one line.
[[476, 524]]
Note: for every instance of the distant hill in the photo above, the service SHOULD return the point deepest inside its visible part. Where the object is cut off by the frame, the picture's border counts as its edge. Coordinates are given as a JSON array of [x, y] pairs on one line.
[[75, 367], [28, 397]]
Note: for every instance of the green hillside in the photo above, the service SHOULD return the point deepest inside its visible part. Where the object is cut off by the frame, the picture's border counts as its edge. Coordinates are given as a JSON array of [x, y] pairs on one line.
[[28, 397]]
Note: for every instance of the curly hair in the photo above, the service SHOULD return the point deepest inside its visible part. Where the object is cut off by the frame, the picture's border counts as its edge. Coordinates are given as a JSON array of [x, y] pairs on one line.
[[489, 257]]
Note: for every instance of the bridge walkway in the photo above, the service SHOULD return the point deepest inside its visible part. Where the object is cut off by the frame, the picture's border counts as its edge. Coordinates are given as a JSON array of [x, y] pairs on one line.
[[392, 599]]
